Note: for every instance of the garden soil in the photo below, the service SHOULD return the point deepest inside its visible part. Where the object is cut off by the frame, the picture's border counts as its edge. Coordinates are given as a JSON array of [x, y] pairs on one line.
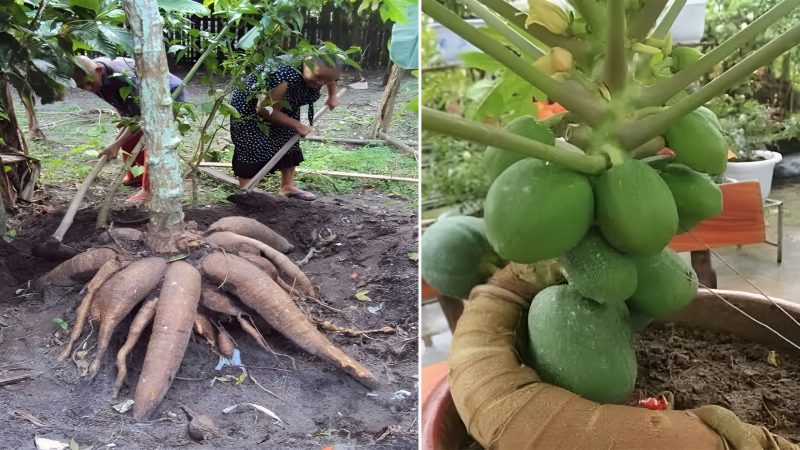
[[373, 254]]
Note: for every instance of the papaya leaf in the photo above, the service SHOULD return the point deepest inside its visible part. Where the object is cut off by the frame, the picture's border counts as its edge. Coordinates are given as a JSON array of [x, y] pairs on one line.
[[93, 5], [118, 36]]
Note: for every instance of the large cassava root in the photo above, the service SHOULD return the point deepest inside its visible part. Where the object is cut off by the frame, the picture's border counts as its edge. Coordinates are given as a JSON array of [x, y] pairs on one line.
[[119, 295], [506, 406], [231, 242], [79, 269], [245, 226], [172, 328], [257, 290]]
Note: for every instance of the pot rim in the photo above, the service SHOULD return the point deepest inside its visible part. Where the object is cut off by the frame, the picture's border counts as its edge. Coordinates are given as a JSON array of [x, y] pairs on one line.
[[774, 158]]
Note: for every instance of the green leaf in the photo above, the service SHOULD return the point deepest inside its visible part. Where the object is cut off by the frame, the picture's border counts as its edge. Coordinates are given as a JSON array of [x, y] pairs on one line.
[[124, 92], [175, 48], [404, 46], [329, 430], [480, 60], [414, 256], [250, 38], [413, 105], [118, 36], [92, 153], [137, 170], [226, 109], [362, 296], [93, 5], [61, 323], [187, 7]]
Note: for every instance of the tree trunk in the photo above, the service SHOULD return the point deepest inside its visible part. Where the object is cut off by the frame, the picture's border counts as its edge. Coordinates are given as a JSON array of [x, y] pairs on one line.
[[386, 108], [9, 129], [160, 132]]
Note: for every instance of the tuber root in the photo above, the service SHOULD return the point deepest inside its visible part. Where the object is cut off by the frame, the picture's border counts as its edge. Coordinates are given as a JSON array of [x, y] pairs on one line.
[[79, 269], [251, 228], [218, 301], [256, 290], [202, 326], [172, 328], [262, 263], [119, 295], [226, 344], [140, 321], [111, 267], [231, 241]]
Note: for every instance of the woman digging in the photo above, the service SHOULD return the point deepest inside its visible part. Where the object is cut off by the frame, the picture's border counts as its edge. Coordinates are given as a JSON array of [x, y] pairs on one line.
[[114, 80], [270, 115]]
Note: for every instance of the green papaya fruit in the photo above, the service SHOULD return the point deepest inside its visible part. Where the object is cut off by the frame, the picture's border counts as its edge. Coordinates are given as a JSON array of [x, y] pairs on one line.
[[581, 345], [683, 57], [456, 256], [696, 195], [635, 209], [598, 271], [535, 211], [666, 284], [698, 142], [638, 321], [497, 159]]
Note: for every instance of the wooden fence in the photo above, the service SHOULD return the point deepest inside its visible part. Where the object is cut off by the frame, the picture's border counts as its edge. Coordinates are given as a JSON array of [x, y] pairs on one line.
[[338, 25]]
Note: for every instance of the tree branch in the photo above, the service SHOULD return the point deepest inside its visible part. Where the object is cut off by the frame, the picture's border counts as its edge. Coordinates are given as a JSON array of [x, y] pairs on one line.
[[441, 122]]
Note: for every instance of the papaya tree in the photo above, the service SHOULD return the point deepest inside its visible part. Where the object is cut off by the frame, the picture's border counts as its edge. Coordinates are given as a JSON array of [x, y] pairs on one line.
[[580, 211]]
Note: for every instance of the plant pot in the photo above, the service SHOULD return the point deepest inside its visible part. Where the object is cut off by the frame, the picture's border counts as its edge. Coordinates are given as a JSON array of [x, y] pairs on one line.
[[690, 24], [760, 171], [442, 428]]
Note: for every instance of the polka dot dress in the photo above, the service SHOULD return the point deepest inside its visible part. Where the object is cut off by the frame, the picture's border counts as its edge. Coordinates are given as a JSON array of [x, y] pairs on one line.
[[252, 147]]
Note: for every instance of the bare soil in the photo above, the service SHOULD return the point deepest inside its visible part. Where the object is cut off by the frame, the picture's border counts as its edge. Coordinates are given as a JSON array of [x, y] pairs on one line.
[[320, 406], [701, 368]]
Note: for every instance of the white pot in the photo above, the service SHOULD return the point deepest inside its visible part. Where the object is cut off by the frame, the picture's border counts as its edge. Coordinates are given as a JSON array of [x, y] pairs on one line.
[[760, 171], [690, 24]]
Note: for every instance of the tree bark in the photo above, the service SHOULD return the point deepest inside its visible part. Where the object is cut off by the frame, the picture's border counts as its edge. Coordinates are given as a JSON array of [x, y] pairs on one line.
[[386, 108], [160, 132]]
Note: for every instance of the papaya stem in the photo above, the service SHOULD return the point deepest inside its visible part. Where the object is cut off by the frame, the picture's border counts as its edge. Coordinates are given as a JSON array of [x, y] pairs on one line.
[[649, 148], [615, 69], [525, 46], [579, 102], [669, 18], [647, 17], [635, 133], [442, 122], [539, 33], [661, 91], [590, 10]]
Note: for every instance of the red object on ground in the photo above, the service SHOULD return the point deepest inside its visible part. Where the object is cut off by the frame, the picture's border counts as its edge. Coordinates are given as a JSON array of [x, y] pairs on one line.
[[545, 109], [141, 159], [654, 403]]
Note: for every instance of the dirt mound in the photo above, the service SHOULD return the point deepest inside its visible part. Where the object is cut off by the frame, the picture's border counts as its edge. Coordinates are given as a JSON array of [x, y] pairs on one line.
[[373, 251]]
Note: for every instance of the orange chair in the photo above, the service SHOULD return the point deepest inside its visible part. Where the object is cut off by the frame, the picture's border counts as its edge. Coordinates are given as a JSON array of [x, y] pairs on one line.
[[741, 222]]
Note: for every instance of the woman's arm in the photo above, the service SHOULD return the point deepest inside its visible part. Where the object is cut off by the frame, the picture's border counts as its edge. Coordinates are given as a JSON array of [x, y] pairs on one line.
[[277, 116], [113, 149], [333, 98]]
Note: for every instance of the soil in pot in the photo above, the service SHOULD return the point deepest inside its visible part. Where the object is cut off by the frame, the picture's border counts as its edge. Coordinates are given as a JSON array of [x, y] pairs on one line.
[[701, 367]]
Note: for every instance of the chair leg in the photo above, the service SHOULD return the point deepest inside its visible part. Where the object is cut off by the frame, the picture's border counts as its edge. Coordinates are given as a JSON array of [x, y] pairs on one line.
[[452, 309], [701, 262]]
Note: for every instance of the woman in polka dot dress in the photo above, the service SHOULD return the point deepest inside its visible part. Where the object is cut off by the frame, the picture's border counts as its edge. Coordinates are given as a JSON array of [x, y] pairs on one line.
[[283, 87]]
